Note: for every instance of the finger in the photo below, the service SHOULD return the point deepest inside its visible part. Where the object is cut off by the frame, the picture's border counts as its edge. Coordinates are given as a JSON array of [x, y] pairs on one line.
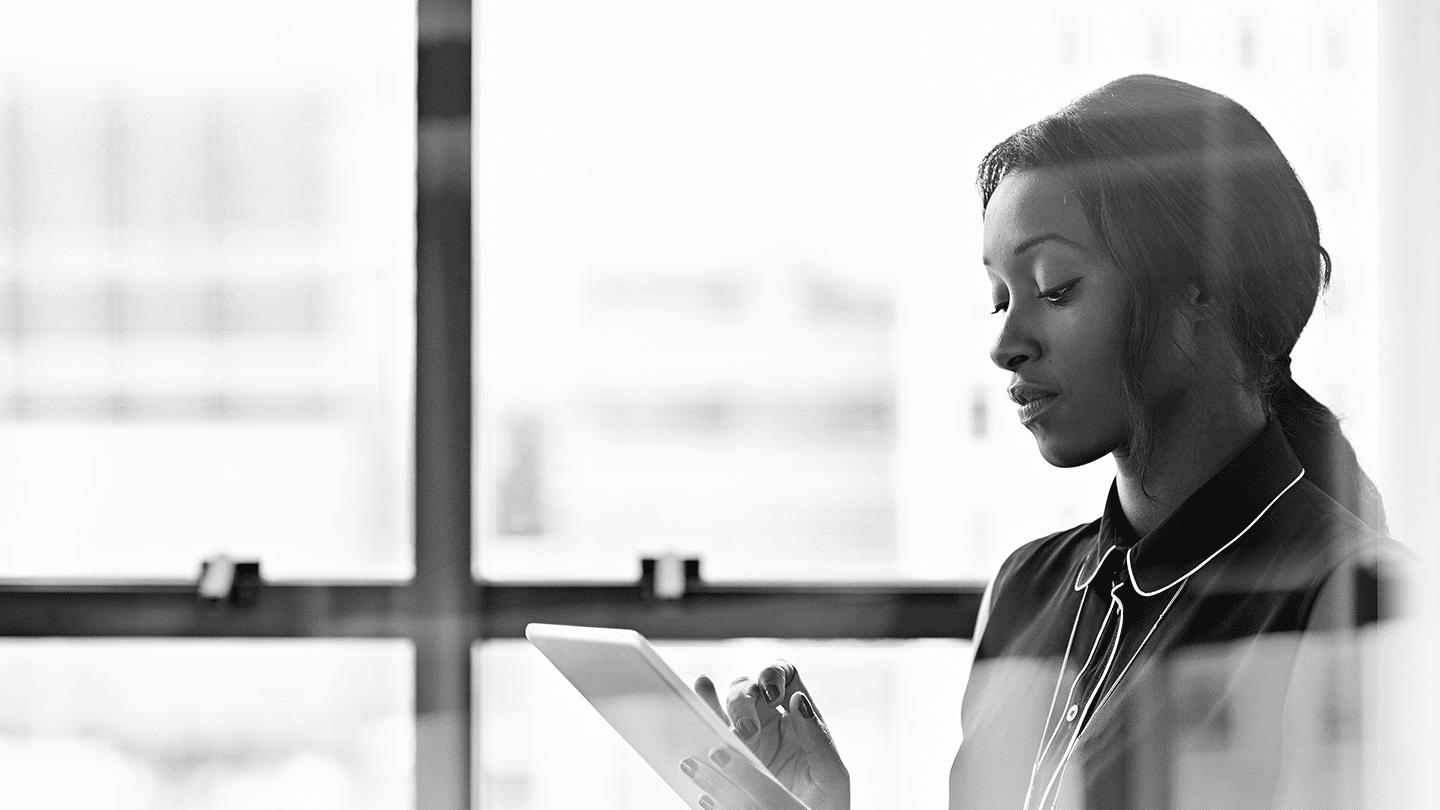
[[798, 687], [753, 783], [705, 688], [741, 704], [810, 729], [780, 682], [775, 680], [720, 791]]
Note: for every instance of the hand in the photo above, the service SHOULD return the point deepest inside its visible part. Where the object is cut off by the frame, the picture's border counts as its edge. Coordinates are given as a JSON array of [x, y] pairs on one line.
[[777, 719]]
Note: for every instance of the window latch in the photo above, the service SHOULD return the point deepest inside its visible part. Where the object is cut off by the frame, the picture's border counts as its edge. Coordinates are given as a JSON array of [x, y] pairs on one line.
[[668, 576], [224, 580]]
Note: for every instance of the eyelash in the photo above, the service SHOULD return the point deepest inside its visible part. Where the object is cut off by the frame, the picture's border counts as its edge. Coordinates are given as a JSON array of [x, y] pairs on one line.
[[1059, 296]]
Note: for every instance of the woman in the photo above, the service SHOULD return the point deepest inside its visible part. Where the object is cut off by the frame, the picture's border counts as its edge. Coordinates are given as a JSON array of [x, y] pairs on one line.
[[1153, 259]]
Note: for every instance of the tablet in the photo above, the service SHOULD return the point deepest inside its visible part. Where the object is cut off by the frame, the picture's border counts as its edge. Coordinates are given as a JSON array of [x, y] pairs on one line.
[[643, 699]]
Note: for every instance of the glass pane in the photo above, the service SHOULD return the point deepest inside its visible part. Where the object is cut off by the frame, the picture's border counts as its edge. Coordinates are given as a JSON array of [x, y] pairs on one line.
[[206, 287], [207, 725], [728, 255], [893, 707]]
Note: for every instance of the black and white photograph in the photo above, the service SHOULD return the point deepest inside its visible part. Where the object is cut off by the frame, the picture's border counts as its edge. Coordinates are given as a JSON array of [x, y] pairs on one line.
[[719, 404]]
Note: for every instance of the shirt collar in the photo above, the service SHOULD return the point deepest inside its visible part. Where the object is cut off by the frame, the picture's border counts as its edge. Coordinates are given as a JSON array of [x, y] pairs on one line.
[[1211, 520]]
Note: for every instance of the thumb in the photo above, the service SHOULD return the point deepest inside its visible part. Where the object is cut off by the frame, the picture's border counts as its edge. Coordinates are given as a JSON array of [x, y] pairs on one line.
[[810, 729]]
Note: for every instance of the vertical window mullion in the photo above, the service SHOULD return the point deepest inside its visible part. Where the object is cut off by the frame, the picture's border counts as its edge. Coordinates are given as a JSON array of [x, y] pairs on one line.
[[442, 596]]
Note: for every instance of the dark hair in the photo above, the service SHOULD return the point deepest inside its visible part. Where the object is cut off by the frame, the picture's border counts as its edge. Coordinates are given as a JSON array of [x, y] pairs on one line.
[[1186, 191]]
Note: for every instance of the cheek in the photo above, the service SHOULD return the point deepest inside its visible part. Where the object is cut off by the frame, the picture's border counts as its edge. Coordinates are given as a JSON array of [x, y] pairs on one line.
[[1098, 352]]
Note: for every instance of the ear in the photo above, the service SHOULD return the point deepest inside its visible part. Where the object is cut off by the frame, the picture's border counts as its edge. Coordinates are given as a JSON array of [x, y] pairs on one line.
[[1199, 308], [1202, 334], [1193, 324]]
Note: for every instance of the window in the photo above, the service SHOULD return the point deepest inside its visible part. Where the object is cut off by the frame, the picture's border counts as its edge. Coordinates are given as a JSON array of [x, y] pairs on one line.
[[712, 288], [730, 302], [730, 307], [206, 288], [207, 724]]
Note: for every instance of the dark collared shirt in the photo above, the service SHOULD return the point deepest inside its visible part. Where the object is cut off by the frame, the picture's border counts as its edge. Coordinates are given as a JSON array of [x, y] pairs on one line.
[[1212, 662]]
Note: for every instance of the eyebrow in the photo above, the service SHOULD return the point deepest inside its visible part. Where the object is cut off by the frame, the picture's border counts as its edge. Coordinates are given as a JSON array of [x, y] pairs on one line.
[[1036, 240]]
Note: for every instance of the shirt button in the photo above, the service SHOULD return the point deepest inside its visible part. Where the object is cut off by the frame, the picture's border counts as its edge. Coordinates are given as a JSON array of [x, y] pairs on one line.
[[1074, 710]]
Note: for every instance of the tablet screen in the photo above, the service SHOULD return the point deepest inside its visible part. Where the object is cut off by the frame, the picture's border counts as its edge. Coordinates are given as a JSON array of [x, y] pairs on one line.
[[623, 677]]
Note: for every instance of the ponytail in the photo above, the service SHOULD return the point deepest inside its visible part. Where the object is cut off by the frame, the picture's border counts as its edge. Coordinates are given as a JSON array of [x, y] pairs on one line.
[[1313, 432]]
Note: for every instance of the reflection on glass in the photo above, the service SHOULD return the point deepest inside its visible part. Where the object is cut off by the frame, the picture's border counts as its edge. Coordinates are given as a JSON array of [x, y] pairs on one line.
[[730, 295], [207, 725], [1278, 719], [206, 286], [894, 708], [1227, 725]]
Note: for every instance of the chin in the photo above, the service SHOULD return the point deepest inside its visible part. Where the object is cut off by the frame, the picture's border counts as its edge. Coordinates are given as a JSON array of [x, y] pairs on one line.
[[1063, 452]]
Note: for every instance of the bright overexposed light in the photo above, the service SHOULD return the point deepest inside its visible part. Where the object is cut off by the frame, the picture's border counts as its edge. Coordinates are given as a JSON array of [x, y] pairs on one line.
[[206, 287]]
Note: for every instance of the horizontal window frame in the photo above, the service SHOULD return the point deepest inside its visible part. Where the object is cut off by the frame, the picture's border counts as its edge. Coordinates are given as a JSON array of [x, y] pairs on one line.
[[488, 611]]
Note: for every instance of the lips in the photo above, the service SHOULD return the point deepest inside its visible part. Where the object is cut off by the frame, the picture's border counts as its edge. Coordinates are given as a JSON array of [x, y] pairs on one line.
[[1032, 399]]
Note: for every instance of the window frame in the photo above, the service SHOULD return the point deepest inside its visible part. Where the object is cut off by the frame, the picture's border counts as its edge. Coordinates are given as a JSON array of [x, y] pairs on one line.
[[443, 610]]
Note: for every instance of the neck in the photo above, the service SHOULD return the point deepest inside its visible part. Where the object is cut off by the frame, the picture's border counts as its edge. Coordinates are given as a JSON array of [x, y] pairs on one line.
[[1193, 441]]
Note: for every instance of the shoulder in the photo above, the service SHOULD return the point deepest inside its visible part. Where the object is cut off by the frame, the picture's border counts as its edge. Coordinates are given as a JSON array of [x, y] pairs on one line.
[[1047, 562], [1024, 610], [1320, 549], [1333, 537]]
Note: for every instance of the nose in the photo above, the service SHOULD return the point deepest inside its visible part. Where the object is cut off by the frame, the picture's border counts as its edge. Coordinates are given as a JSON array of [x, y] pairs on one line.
[[1016, 344]]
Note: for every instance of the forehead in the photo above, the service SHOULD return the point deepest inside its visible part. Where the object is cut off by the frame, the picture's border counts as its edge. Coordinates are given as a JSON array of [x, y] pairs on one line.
[[1031, 203]]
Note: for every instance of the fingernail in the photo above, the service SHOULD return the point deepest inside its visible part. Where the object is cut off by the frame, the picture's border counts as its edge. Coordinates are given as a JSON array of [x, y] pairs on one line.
[[806, 710], [746, 728], [771, 693], [707, 802], [689, 766], [721, 757]]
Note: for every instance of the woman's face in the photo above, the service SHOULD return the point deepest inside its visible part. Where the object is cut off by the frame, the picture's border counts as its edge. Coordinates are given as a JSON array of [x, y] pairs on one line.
[[1062, 305]]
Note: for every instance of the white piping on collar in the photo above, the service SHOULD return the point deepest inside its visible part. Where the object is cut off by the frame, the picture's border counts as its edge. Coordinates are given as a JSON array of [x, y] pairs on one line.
[[1129, 566], [1046, 743], [1059, 775], [1054, 697], [1082, 581], [1138, 650]]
